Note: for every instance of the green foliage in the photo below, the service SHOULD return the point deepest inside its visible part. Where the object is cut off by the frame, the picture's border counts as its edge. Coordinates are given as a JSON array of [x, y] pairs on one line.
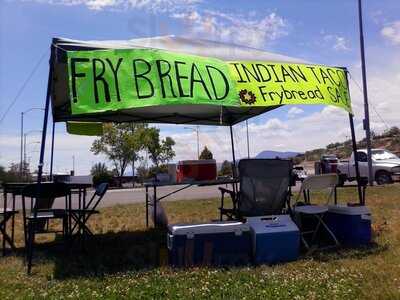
[[13, 174], [3, 174], [314, 154], [160, 151], [121, 143], [100, 173], [144, 173], [226, 169], [299, 158], [206, 154], [392, 132]]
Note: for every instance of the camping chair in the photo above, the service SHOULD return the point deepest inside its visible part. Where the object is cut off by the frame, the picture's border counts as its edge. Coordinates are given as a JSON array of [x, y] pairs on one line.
[[307, 211], [41, 212], [81, 216], [264, 189], [5, 215]]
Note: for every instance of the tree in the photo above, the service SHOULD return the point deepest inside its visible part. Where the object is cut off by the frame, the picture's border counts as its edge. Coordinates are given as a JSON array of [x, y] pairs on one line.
[[3, 174], [160, 151], [13, 173], [121, 143], [226, 169], [100, 173], [394, 131], [206, 154]]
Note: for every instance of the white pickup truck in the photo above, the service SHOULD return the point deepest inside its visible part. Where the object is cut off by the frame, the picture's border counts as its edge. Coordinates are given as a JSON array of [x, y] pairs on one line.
[[385, 167]]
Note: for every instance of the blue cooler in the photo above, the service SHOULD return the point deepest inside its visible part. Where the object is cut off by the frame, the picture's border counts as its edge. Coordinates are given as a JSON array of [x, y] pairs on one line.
[[217, 243], [275, 239], [350, 224]]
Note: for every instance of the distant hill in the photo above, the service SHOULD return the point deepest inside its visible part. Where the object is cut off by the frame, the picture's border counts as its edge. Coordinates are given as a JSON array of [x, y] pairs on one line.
[[389, 140], [274, 154]]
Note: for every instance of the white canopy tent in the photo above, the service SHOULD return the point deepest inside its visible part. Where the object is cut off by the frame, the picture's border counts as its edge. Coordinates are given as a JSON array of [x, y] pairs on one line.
[[59, 96]]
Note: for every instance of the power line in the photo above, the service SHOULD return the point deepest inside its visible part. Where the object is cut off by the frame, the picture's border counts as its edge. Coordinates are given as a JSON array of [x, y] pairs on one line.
[[373, 107], [22, 88]]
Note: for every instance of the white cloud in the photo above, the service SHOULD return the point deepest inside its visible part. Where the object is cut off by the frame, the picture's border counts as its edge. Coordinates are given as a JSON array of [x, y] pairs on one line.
[[338, 43], [156, 6], [391, 32], [250, 29], [294, 111], [245, 29]]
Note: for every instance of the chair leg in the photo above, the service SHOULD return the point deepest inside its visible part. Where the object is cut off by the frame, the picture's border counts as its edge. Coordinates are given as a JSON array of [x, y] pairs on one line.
[[330, 233], [316, 228], [4, 229], [31, 241]]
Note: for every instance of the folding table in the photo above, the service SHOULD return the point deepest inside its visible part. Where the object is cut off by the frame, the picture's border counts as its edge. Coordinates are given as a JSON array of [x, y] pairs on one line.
[[180, 187], [79, 189]]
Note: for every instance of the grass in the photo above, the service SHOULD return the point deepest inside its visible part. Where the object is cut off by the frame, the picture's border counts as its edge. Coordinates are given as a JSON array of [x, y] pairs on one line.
[[125, 262]]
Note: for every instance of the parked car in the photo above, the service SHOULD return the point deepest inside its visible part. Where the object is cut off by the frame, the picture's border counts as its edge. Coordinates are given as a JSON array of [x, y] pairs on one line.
[[299, 173], [327, 164], [385, 166]]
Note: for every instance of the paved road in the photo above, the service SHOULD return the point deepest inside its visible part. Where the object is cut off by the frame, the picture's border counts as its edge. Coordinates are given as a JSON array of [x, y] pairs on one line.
[[137, 195], [128, 196]]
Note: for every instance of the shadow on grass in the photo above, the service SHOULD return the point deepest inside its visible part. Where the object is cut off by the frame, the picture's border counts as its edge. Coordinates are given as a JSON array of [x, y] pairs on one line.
[[103, 254], [360, 252], [126, 251]]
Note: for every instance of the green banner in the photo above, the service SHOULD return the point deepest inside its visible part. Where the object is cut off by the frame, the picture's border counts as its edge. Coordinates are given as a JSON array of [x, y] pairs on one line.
[[112, 80], [270, 84], [85, 128]]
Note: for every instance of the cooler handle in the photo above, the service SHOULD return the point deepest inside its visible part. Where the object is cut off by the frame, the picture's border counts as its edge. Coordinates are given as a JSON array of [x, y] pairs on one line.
[[238, 232], [366, 217], [170, 239]]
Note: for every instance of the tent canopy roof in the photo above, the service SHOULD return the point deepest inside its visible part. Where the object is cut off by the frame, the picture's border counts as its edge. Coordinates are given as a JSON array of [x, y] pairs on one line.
[[223, 51]]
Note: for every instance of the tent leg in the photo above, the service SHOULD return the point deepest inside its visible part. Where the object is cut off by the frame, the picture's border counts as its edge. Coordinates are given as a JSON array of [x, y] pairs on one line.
[[354, 143], [52, 152], [45, 120], [234, 175]]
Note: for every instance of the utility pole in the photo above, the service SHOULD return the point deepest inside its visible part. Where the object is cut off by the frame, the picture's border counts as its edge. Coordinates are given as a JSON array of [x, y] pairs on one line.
[[366, 124], [23, 162], [73, 165], [198, 143], [22, 145], [22, 135], [197, 129]]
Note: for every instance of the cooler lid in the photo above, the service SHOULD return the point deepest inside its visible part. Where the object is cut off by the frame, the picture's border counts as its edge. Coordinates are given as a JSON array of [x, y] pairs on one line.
[[272, 224], [204, 228], [349, 210]]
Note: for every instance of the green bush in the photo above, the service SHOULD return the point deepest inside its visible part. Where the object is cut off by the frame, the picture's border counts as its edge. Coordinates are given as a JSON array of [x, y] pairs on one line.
[[101, 174]]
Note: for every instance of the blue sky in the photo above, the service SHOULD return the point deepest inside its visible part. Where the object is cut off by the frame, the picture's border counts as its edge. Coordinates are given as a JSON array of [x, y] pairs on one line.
[[318, 31]]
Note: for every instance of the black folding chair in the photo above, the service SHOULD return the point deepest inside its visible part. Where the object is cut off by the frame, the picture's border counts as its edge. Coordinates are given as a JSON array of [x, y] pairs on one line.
[[5, 215], [264, 189], [81, 216], [42, 198]]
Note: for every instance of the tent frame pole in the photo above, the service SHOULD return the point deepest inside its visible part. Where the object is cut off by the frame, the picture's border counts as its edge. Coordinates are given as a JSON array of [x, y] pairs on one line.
[[234, 175], [355, 155], [45, 120], [52, 151]]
